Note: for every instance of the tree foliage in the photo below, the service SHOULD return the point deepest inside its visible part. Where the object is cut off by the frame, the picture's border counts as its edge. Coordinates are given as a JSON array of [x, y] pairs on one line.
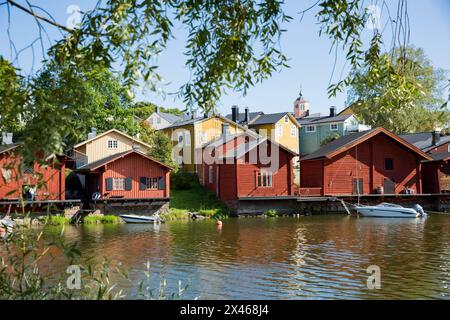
[[13, 97], [401, 92]]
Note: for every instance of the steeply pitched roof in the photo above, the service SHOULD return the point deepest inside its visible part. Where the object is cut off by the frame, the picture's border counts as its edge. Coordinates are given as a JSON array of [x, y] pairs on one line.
[[349, 141], [107, 132], [183, 122], [252, 116], [272, 118], [440, 156], [424, 140], [100, 163], [319, 120], [169, 117], [9, 147]]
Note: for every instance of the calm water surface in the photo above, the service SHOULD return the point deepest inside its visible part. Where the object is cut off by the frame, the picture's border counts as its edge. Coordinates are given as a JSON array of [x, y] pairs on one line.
[[321, 257]]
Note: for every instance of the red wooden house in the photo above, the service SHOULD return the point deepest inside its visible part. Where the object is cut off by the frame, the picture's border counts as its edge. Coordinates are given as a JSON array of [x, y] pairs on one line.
[[128, 175], [247, 166], [47, 180], [436, 173], [374, 161]]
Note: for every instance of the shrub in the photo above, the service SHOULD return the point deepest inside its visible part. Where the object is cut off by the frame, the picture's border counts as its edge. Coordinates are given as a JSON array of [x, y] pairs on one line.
[[272, 213], [101, 219], [56, 220], [182, 180]]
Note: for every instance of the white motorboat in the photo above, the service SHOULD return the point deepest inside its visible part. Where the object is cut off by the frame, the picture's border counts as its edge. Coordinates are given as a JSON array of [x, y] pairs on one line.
[[131, 218], [7, 223], [390, 210]]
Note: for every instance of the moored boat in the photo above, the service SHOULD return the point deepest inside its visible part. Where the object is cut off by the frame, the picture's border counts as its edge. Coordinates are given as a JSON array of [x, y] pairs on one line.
[[390, 210], [131, 218]]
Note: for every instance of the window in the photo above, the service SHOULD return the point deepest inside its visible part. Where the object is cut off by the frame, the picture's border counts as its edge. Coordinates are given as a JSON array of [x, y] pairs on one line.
[[265, 179], [286, 119], [310, 129], [158, 120], [180, 137], [278, 130], [28, 168], [333, 127], [151, 183], [358, 186], [210, 174], [389, 164], [203, 137], [187, 136], [293, 131], [118, 184], [112, 144], [448, 148]]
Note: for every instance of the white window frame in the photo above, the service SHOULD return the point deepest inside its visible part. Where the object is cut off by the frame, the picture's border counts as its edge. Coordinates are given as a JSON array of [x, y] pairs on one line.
[[260, 179], [210, 174], [307, 128], [112, 144], [279, 130], [151, 183], [448, 148], [180, 137], [118, 184], [187, 137], [158, 120], [293, 131], [334, 124], [286, 119]]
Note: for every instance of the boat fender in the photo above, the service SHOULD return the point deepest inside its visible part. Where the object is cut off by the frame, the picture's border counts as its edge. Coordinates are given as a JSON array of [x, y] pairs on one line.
[[419, 210]]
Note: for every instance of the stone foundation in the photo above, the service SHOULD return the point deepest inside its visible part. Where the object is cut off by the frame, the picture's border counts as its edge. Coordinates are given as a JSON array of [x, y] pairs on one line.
[[144, 208]]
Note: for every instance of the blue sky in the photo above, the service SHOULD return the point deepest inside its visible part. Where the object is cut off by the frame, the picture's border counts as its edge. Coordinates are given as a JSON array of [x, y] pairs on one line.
[[309, 57]]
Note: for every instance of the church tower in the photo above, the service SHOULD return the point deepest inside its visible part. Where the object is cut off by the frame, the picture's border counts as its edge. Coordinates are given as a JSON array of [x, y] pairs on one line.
[[301, 106]]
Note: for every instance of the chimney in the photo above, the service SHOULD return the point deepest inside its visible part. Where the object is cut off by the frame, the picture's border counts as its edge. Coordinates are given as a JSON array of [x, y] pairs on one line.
[[194, 114], [7, 138], [332, 111], [225, 128], [235, 113], [92, 134], [436, 137], [246, 115], [157, 109]]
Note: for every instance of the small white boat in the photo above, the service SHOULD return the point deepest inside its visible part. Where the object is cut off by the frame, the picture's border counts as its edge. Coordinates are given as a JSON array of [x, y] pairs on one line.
[[131, 218], [7, 224], [390, 210]]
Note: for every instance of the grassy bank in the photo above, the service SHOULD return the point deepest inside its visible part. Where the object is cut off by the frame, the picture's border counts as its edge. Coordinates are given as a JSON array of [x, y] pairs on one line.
[[57, 220], [195, 199]]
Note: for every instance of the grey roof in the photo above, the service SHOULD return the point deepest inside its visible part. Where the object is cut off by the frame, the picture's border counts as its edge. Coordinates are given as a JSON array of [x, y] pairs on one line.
[[184, 122], [252, 116], [336, 145], [8, 147], [269, 118], [243, 148], [172, 118], [424, 140], [310, 120], [440, 156]]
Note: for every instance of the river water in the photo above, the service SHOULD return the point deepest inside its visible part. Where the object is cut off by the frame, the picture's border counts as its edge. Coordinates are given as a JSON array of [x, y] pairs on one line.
[[319, 257]]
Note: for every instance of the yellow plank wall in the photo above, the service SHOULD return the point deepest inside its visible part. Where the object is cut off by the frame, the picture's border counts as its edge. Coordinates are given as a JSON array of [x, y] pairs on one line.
[[98, 148], [213, 129], [286, 139]]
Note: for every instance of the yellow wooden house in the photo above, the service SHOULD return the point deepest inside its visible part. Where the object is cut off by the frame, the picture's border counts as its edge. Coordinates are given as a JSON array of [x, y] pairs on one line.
[[103, 145], [281, 127], [189, 136]]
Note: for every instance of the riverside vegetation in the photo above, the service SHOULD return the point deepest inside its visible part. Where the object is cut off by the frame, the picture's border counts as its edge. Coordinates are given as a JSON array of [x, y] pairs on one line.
[[21, 277]]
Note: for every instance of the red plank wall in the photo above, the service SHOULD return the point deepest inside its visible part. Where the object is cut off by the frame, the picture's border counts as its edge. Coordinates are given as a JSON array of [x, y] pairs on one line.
[[135, 166], [365, 161], [52, 181]]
